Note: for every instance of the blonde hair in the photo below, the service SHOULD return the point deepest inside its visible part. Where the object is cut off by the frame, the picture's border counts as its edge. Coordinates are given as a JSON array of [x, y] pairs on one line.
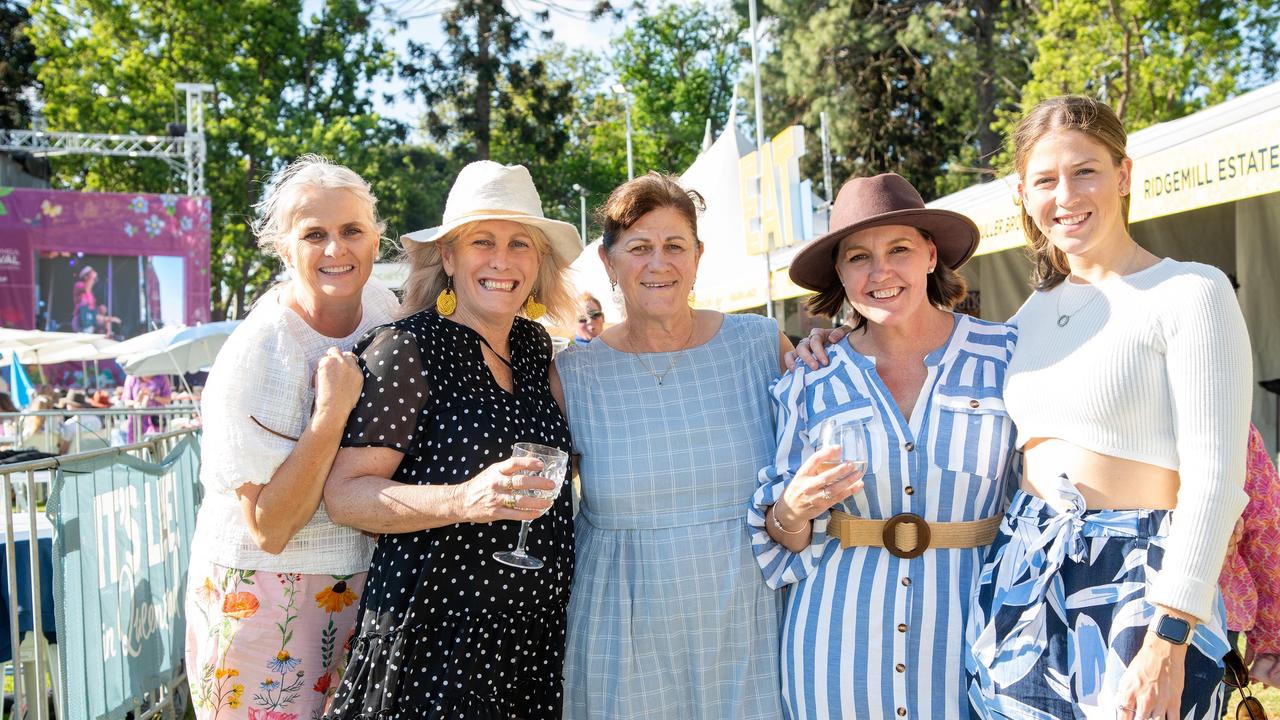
[[1067, 112], [427, 277], [275, 211]]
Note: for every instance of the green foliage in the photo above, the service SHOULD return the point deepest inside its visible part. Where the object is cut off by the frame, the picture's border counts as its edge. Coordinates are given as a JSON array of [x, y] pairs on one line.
[[17, 56], [679, 63], [1153, 60], [481, 66], [285, 83]]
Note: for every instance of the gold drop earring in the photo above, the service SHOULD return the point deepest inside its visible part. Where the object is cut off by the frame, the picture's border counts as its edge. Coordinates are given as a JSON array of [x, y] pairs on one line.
[[447, 300], [534, 309]]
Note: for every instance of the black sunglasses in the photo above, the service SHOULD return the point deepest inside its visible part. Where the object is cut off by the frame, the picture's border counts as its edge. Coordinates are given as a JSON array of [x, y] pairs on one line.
[[1236, 675], [592, 315]]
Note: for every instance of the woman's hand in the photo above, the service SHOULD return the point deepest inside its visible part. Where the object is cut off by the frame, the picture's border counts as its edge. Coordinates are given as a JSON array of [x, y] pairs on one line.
[[338, 383], [816, 487], [1151, 687], [1265, 668], [812, 351], [494, 493]]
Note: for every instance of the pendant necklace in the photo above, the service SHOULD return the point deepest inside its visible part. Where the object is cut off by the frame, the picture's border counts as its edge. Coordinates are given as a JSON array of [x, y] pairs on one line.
[[1064, 318], [671, 363]]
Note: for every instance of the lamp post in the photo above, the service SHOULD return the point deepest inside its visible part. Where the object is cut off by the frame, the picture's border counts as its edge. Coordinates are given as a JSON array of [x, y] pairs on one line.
[[621, 89], [582, 197]]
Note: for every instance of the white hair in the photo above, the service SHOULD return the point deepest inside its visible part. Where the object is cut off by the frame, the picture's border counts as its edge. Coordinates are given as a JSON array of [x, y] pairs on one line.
[[308, 171]]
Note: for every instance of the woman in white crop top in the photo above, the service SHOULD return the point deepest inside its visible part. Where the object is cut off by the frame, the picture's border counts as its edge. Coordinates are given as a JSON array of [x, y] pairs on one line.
[[1130, 390], [273, 585]]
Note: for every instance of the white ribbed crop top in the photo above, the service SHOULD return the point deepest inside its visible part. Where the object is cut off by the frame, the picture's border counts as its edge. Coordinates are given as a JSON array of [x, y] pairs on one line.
[[1156, 367]]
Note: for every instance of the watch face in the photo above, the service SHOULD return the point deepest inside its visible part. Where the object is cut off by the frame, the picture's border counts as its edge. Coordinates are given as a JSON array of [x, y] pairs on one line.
[[1173, 629]]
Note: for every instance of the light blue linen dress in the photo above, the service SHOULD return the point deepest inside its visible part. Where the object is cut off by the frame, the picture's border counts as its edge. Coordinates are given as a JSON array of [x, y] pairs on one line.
[[669, 615]]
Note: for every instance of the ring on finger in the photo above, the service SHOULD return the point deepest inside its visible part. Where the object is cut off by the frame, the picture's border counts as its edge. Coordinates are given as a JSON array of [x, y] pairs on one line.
[[511, 485], [826, 493], [511, 502]]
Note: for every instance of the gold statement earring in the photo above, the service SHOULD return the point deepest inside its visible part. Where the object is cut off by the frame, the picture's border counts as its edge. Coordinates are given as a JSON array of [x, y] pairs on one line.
[[534, 309], [447, 300]]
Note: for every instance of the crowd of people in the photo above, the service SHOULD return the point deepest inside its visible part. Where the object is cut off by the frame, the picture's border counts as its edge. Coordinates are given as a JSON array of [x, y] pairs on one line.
[[60, 421], [1042, 522]]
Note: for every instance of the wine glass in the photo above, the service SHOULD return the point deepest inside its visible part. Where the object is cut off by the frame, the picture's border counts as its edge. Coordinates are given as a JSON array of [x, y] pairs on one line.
[[555, 463], [851, 440]]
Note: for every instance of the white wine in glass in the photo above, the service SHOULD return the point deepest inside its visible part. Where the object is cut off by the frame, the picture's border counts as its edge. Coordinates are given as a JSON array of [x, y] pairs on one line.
[[555, 463], [851, 440]]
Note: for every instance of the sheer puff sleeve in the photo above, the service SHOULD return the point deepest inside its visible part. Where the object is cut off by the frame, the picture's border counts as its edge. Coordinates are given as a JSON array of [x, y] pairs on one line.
[[396, 389], [258, 396]]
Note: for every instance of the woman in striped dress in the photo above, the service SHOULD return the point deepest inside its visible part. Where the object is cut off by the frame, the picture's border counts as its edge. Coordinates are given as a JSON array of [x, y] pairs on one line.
[[871, 631]]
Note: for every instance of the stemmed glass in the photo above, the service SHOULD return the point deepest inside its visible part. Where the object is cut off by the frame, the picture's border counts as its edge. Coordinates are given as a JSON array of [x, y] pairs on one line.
[[851, 440], [554, 464]]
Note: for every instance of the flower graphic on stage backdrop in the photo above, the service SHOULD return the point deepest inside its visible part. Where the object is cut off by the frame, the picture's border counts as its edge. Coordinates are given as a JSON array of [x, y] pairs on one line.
[[50, 209], [185, 223], [154, 225], [129, 229], [139, 205], [170, 203]]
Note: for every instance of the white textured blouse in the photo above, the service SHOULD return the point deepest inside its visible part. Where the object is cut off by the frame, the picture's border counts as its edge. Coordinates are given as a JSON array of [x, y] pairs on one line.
[[264, 372], [1154, 366]]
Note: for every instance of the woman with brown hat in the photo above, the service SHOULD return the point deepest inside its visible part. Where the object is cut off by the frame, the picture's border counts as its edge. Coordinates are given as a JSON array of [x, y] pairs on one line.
[[881, 551], [446, 630]]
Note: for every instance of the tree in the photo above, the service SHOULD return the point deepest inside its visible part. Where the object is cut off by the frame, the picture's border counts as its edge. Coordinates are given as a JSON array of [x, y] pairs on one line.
[[482, 65], [17, 58], [853, 62], [1154, 60], [680, 64], [286, 82]]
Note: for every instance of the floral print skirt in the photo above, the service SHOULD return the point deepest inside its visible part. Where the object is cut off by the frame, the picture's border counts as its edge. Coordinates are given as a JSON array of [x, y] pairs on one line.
[[264, 645], [1060, 611]]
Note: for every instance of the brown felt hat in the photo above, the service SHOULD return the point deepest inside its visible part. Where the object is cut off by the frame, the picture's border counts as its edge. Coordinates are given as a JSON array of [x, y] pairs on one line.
[[886, 199]]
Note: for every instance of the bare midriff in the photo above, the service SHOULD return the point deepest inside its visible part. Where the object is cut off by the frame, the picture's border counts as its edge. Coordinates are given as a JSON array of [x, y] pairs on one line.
[[1105, 481]]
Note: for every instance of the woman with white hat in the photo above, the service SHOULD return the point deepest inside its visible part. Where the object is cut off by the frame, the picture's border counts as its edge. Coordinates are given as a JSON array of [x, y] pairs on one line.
[[445, 630], [881, 552]]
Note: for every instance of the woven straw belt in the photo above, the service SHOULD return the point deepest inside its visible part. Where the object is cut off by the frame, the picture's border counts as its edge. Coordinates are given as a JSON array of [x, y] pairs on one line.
[[906, 535]]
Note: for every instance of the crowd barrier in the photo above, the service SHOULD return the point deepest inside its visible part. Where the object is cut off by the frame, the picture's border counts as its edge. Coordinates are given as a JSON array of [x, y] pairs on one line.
[[99, 594], [118, 426]]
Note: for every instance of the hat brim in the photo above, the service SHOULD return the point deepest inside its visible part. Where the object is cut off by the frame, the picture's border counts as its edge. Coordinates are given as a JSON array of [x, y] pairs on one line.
[[566, 243], [954, 235]]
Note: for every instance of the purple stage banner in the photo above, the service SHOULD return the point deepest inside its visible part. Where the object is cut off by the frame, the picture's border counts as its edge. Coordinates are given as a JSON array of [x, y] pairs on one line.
[[118, 263]]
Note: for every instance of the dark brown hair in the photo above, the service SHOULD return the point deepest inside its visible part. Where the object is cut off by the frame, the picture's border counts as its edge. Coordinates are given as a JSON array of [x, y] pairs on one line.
[[1067, 112], [636, 198], [945, 287]]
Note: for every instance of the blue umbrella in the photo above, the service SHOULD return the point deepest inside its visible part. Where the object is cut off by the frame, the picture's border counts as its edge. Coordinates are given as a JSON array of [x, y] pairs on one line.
[[19, 384]]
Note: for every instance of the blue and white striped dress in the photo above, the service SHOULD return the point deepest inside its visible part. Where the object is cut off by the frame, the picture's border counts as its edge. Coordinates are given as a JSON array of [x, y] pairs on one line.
[[866, 634]]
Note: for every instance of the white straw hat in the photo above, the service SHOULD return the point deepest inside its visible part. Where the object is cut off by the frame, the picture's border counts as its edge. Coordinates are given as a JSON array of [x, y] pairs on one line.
[[486, 190]]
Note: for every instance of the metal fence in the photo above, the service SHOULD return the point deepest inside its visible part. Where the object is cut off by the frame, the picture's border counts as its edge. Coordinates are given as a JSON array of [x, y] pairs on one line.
[[30, 685], [92, 429]]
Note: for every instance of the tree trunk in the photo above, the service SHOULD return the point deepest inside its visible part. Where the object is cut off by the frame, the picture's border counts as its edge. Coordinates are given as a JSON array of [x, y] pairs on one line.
[[484, 80], [984, 22]]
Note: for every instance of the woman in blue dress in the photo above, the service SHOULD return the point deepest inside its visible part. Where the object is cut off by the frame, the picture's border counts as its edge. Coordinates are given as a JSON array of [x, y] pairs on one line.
[[669, 617], [881, 564]]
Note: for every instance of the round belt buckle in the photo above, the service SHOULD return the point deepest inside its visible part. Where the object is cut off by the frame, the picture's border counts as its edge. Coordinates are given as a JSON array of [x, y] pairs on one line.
[[891, 540]]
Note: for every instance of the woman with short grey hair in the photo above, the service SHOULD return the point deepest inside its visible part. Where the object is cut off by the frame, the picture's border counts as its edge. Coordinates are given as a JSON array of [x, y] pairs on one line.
[[273, 580]]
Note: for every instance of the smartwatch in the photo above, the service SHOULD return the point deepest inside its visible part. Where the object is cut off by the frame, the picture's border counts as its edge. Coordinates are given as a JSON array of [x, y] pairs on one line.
[[1175, 630]]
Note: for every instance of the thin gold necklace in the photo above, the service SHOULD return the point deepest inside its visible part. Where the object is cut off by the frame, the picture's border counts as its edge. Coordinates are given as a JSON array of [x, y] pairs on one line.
[[671, 363], [1064, 318]]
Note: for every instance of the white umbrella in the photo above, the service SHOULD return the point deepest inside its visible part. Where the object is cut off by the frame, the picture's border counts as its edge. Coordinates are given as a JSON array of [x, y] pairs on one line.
[[186, 351], [86, 349], [36, 347]]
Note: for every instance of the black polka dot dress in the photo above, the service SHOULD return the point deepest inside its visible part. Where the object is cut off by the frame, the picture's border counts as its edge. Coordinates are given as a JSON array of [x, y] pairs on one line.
[[446, 631]]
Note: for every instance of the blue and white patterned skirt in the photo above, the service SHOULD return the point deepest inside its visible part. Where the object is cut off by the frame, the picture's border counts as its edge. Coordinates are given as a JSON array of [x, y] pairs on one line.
[[1060, 611]]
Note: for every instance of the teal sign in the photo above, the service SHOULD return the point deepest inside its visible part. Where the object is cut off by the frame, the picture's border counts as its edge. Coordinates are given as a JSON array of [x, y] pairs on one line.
[[122, 540]]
